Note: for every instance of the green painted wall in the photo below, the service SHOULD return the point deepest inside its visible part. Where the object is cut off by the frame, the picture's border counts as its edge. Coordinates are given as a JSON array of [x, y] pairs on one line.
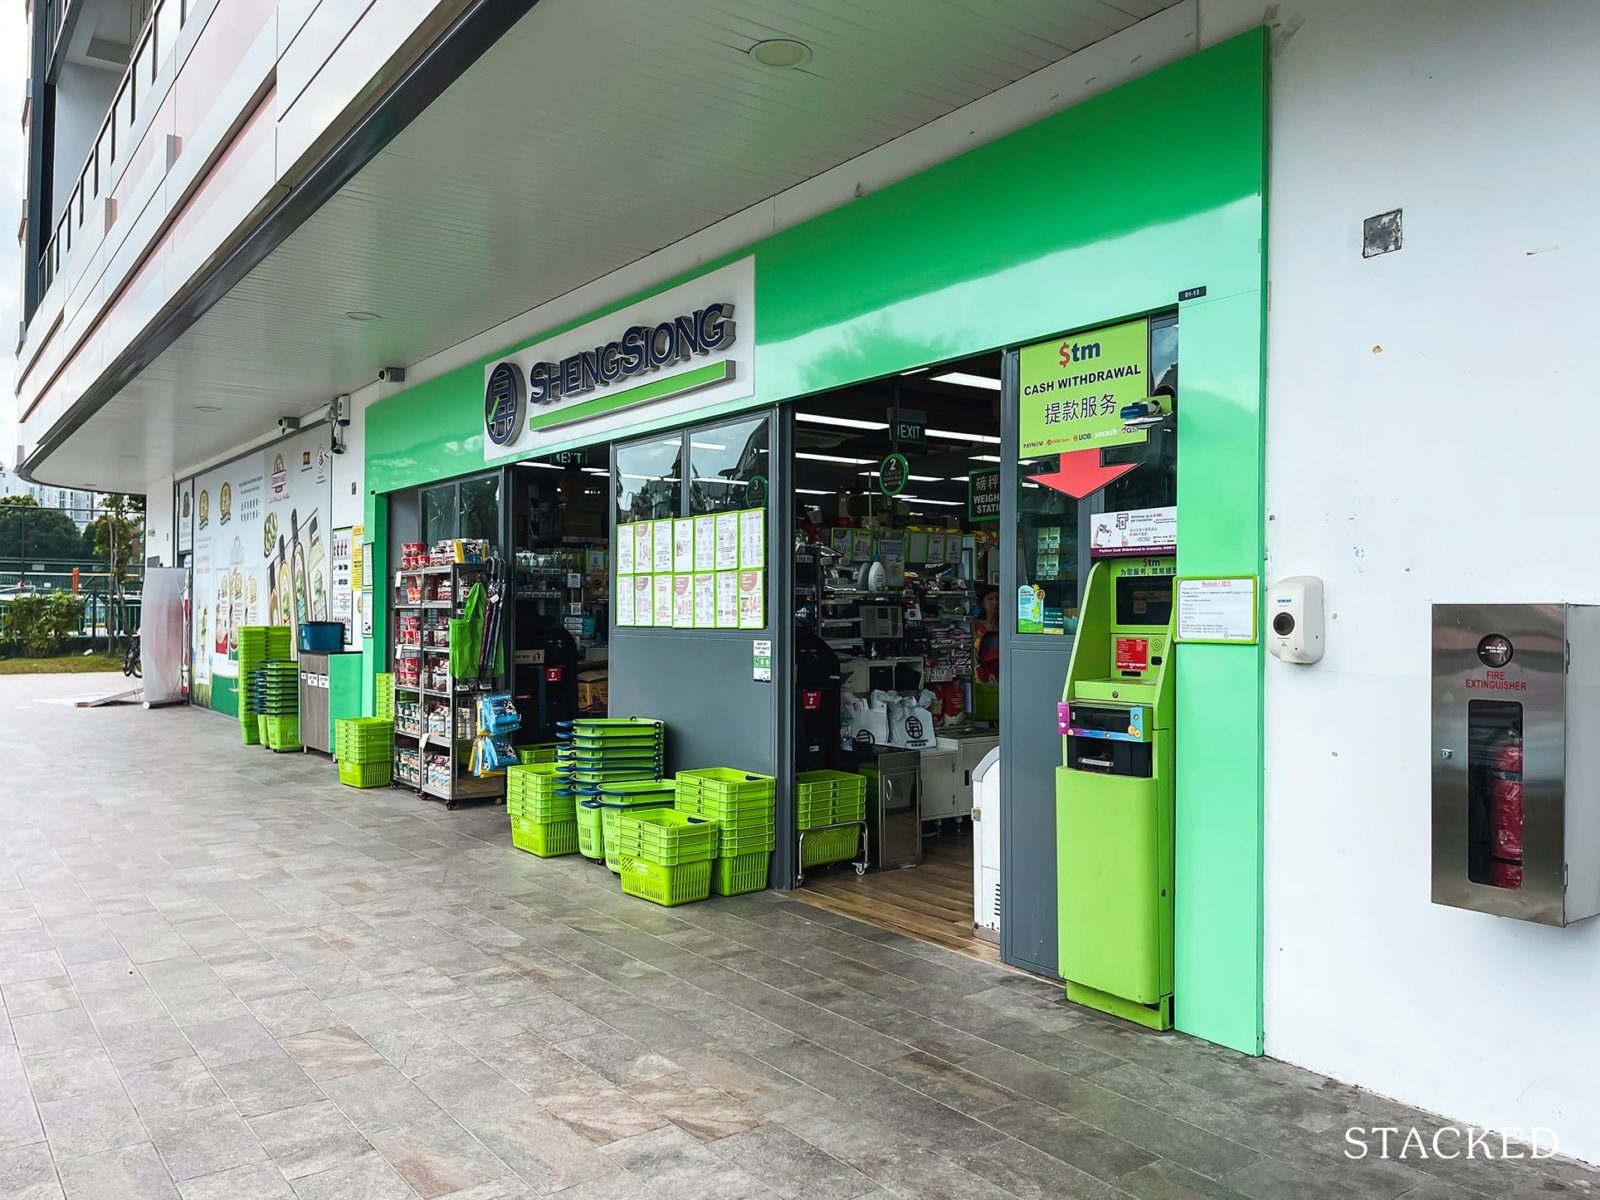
[[1104, 211]]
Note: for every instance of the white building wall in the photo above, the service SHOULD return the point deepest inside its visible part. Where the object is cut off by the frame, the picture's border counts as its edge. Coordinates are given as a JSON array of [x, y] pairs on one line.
[[83, 97], [159, 524], [1431, 436]]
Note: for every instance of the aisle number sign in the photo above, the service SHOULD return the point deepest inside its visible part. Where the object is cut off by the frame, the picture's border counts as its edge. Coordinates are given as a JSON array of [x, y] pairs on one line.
[[1075, 387]]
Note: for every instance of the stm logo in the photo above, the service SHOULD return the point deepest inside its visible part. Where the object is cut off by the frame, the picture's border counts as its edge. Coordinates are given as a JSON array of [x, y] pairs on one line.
[[1075, 352]]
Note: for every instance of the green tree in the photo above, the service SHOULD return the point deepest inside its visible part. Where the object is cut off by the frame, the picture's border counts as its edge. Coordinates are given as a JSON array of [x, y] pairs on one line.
[[118, 541], [29, 531], [41, 622]]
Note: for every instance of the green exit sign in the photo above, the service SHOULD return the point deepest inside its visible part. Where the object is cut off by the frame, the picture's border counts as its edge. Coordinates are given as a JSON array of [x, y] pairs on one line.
[[906, 426], [569, 458]]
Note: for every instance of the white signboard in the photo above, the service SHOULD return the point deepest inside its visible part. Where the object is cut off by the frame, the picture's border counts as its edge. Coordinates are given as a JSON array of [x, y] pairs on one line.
[[677, 351], [1217, 610]]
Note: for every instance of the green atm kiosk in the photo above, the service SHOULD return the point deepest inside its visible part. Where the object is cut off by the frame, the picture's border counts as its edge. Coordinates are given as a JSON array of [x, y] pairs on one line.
[[1114, 794]]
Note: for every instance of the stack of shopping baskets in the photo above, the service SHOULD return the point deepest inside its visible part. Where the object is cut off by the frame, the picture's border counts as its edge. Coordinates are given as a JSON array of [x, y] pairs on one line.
[[257, 644], [542, 809], [830, 807], [665, 855], [364, 747], [275, 695], [741, 805]]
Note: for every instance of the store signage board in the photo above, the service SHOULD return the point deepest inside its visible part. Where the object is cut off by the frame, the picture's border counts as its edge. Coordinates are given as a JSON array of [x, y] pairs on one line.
[[678, 351], [1139, 531], [1073, 389], [893, 474], [983, 494], [1220, 610]]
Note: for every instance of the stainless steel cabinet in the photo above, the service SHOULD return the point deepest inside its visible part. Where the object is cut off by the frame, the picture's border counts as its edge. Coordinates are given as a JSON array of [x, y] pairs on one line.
[[894, 809]]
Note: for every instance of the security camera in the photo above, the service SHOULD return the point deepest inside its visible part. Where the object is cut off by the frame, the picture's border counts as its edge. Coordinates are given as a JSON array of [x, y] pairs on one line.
[[288, 424], [339, 410], [391, 374]]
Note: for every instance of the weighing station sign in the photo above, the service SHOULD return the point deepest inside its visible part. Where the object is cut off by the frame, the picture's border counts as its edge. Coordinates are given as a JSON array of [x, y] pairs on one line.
[[1074, 389]]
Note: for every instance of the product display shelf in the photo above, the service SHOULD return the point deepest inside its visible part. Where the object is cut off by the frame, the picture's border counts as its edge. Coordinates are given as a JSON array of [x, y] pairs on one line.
[[433, 763]]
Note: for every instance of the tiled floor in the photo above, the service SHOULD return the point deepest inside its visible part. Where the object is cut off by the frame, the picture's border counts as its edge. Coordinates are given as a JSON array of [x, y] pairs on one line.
[[227, 978]]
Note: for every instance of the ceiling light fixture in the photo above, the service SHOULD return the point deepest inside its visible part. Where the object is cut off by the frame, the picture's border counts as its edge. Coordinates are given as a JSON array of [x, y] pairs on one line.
[[985, 458], [597, 470], [916, 370], [963, 379], [926, 500], [840, 422], [834, 458], [813, 492], [958, 436], [781, 54], [917, 478], [208, 408], [362, 314], [541, 466]]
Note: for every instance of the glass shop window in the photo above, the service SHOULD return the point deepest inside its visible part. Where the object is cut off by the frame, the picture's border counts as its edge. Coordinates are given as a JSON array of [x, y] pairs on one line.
[[648, 479], [729, 467]]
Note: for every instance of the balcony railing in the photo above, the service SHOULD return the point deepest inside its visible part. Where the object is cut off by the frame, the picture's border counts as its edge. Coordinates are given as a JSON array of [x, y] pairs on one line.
[[115, 140]]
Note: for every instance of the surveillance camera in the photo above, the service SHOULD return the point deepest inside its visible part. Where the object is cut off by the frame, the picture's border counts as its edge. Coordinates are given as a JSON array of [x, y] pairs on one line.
[[288, 424], [391, 374], [339, 410]]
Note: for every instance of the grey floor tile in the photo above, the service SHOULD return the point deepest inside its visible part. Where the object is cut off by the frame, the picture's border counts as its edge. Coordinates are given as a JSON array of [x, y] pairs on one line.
[[131, 1173], [597, 1109], [30, 965], [1102, 1155], [91, 1123], [19, 1117], [240, 1183], [308, 1139], [440, 1159], [285, 1014], [29, 1173], [948, 1083], [231, 1040], [265, 1085], [48, 1032], [70, 1073], [145, 1043], [680, 1168], [790, 1166], [202, 1141], [330, 1053], [177, 1085], [122, 1006], [366, 1178], [40, 995]]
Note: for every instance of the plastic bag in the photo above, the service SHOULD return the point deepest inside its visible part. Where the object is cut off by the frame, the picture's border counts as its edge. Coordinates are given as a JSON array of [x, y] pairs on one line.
[[911, 721], [497, 713], [865, 723]]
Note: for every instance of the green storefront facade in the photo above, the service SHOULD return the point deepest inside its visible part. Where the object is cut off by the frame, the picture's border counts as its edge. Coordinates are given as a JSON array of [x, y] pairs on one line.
[[1109, 210]]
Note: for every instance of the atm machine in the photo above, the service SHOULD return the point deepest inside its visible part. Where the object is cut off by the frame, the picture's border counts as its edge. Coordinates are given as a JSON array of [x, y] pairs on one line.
[[1114, 794]]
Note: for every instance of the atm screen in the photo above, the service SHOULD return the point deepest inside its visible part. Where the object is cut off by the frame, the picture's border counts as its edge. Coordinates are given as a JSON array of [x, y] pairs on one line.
[[1144, 599]]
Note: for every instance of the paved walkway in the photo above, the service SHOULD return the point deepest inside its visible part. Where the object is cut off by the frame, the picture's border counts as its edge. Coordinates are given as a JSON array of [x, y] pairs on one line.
[[227, 978]]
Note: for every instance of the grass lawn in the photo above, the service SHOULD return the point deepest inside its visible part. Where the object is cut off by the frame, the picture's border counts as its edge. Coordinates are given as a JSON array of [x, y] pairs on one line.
[[67, 664]]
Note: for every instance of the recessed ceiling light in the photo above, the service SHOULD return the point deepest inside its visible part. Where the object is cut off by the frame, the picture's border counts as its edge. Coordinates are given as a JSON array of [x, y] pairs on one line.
[[917, 478], [959, 436], [916, 370], [813, 492], [208, 408], [926, 500], [841, 422], [362, 315], [781, 53], [834, 458], [963, 379], [985, 458], [541, 466]]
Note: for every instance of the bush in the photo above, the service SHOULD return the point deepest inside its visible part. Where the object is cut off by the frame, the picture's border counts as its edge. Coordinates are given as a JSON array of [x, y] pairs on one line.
[[41, 623]]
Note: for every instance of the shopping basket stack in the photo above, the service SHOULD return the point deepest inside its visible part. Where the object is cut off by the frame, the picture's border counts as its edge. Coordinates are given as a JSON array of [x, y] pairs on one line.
[[611, 802], [276, 697], [383, 696], [665, 855], [364, 747], [537, 752], [741, 805], [824, 798], [592, 753], [543, 810], [257, 644]]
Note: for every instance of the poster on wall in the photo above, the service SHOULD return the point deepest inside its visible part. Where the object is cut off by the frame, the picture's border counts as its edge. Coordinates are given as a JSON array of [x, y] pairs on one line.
[[643, 600], [186, 516], [341, 607], [752, 603], [727, 600], [1134, 532], [625, 603], [262, 550], [625, 547]]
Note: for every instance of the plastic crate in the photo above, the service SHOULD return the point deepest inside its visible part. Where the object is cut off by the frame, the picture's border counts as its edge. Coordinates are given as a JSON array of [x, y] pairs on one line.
[[539, 752], [250, 731], [561, 808], [811, 813], [591, 835], [383, 695], [545, 839], [610, 811], [664, 835], [726, 783], [681, 883], [732, 845], [824, 797], [540, 780], [740, 874], [366, 774], [834, 845]]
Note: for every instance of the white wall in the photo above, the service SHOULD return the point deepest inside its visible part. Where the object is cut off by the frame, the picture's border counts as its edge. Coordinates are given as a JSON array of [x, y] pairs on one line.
[[1431, 436], [159, 523], [83, 97]]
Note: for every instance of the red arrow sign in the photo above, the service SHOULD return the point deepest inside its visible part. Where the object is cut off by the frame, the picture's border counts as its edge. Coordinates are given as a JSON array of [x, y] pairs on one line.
[[1081, 474]]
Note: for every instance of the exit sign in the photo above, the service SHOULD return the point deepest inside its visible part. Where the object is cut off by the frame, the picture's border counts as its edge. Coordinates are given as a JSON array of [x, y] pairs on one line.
[[908, 426], [569, 458]]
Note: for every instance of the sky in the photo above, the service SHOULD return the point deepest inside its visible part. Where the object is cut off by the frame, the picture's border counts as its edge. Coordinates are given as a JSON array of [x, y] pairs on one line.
[[13, 79]]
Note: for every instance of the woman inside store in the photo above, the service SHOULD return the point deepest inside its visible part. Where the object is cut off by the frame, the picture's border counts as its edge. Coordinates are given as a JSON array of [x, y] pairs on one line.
[[986, 637]]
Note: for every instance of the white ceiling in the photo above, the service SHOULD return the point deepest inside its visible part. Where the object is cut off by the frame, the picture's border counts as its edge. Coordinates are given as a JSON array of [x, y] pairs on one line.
[[591, 135]]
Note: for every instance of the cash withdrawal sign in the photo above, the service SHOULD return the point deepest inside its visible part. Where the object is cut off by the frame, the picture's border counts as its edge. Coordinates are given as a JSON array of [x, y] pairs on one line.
[[1075, 388]]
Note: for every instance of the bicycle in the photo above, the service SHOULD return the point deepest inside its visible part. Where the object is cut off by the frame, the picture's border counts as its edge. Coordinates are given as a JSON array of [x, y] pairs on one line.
[[131, 662]]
